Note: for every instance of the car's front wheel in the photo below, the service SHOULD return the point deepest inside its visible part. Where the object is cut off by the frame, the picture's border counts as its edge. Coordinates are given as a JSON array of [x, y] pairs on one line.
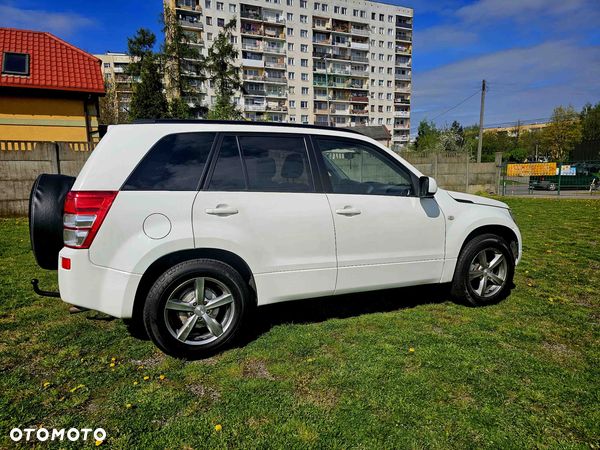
[[484, 271], [196, 308]]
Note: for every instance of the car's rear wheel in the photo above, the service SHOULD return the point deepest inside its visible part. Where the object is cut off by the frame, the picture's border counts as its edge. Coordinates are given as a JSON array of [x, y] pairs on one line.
[[484, 271], [196, 308]]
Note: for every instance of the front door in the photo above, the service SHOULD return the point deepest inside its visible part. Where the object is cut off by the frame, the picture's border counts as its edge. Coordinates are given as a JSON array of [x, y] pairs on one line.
[[386, 236], [260, 202]]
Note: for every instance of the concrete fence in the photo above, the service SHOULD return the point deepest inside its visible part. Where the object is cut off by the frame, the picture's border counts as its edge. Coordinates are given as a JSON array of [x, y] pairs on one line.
[[457, 172], [22, 161]]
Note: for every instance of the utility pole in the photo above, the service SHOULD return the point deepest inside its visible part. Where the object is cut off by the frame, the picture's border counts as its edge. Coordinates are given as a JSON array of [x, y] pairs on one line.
[[480, 141]]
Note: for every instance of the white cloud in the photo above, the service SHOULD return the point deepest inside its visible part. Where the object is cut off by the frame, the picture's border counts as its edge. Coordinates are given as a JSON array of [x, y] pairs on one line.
[[486, 10], [63, 24], [524, 83]]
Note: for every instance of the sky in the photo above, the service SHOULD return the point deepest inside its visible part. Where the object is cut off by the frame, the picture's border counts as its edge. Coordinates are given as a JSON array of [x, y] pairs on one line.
[[534, 54]]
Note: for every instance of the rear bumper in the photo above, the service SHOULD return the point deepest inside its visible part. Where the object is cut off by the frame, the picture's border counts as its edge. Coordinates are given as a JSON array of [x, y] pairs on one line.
[[94, 287]]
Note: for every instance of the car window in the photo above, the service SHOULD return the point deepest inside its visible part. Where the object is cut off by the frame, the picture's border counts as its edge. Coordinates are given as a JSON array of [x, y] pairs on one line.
[[354, 168], [276, 163], [228, 174], [174, 163]]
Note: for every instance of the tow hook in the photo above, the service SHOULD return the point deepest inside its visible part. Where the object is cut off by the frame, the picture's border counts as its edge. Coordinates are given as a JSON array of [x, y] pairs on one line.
[[41, 292]]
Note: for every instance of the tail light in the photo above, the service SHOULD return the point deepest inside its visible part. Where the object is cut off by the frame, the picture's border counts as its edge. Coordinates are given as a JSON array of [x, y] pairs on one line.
[[84, 212]]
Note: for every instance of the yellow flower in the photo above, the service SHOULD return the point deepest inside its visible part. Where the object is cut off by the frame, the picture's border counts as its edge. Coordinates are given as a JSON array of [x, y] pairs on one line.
[[77, 387], [135, 383], [411, 350], [98, 442], [162, 377], [46, 384], [218, 427], [112, 364], [128, 405], [146, 378], [113, 359]]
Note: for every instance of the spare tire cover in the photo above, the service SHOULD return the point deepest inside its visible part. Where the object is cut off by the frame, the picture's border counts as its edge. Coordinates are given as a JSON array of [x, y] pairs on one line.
[[46, 204]]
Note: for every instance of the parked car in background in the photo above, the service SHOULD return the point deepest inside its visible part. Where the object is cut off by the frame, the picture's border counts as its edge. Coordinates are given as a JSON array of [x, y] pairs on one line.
[[186, 227]]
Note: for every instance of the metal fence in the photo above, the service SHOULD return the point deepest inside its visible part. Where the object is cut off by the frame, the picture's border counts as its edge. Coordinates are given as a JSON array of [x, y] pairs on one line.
[[570, 179]]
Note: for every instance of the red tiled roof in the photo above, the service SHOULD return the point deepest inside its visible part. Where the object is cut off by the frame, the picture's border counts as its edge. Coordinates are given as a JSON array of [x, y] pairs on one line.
[[53, 63]]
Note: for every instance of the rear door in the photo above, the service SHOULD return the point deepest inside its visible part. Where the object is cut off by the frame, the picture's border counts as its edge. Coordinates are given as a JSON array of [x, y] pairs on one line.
[[386, 236], [261, 202]]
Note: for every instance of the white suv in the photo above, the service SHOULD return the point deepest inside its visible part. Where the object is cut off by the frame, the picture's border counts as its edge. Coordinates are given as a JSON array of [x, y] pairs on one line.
[[187, 226]]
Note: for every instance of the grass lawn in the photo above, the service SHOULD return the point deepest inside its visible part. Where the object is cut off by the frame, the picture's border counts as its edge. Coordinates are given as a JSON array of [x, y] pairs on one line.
[[332, 373]]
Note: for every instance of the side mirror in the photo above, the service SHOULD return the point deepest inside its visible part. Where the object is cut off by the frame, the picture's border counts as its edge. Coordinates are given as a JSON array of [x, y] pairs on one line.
[[427, 187]]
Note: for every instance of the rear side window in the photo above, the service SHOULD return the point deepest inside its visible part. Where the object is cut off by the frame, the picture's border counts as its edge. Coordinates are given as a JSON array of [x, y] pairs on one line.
[[276, 163], [228, 174], [175, 163]]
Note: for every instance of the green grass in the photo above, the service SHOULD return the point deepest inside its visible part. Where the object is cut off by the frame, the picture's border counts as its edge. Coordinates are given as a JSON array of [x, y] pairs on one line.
[[332, 373]]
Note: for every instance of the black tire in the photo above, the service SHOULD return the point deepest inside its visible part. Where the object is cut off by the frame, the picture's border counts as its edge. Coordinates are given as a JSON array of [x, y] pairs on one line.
[[160, 329], [46, 203], [463, 289]]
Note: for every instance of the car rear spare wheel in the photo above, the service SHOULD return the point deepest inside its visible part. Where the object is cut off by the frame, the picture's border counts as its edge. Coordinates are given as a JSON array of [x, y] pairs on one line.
[[46, 203]]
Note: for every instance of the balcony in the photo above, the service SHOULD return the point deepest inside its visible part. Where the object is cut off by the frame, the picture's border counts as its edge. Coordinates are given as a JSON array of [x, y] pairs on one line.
[[360, 31], [341, 29], [359, 58], [276, 94], [274, 19], [277, 108], [359, 99], [360, 45], [404, 64], [359, 73], [321, 41], [400, 138], [339, 71], [403, 37], [360, 112], [253, 77], [404, 23], [339, 112], [191, 24], [253, 63], [275, 64], [280, 50], [251, 14], [402, 101], [252, 31], [255, 107], [341, 44], [402, 126], [401, 113], [319, 26], [403, 77], [274, 34], [277, 80], [193, 9], [252, 47], [119, 69]]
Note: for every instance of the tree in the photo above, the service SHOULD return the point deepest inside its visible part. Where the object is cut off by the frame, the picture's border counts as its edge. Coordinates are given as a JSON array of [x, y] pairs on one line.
[[563, 132], [180, 56], [148, 100], [225, 75], [427, 136], [108, 105], [458, 130], [140, 46], [589, 147]]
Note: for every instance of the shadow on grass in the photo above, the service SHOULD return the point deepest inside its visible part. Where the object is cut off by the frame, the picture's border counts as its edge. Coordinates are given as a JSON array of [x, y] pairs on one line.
[[320, 309]]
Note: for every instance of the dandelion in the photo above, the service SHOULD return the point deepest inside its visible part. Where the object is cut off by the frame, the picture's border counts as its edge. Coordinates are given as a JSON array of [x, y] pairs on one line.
[[411, 350], [128, 406], [218, 427], [162, 377], [135, 383], [76, 388], [46, 384], [98, 443], [113, 359], [146, 378], [112, 364]]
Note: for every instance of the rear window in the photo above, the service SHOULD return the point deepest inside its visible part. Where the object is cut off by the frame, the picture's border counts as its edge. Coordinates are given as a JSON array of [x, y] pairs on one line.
[[175, 163]]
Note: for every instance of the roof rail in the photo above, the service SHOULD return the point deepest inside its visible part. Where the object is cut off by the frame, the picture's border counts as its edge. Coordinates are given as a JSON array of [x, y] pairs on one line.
[[246, 122]]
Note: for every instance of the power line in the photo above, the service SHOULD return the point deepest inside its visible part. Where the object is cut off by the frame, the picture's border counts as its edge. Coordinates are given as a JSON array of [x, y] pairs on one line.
[[458, 104]]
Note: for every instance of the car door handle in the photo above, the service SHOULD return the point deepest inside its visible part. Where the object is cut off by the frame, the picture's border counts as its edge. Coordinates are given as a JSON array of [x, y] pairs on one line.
[[348, 211], [221, 210]]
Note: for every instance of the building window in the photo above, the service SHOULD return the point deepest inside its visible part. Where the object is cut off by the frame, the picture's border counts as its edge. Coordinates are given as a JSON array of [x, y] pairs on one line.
[[304, 48], [290, 46], [290, 2], [209, 36], [303, 4], [355, 12], [324, 7], [303, 33], [232, 8], [207, 3], [290, 31], [373, 15], [381, 17], [304, 91], [303, 19], [15, 63], [290, 17], [303, 104], [291, 75], [221, 22], [292, 103], [344, 10], [208, 20], [304, 62], [336, 9], [290, 61], [107, 65], [219, 6], [304, 76], [304, 119], [317, 6]]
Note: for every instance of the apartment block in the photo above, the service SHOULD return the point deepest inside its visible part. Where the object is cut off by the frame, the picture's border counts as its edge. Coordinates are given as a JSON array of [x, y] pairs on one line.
[[114, 71], [339, 63]]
